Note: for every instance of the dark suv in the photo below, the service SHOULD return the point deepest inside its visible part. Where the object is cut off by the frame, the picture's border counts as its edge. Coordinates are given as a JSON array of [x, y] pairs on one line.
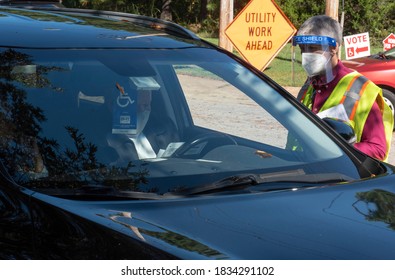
[[124, 136]]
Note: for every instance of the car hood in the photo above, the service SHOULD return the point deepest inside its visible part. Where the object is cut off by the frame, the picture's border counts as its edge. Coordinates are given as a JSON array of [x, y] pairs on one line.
[[348, 221], [358, 62], [366, 63]]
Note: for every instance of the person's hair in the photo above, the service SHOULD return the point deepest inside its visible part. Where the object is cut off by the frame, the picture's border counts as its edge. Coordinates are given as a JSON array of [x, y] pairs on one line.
[[322, 25]]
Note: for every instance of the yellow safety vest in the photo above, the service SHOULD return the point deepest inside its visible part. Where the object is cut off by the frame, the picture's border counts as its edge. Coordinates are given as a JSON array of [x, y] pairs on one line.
[[351, 92]]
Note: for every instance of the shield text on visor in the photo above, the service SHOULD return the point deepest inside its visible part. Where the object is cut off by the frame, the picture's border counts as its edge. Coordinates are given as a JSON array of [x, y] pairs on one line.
[[316, 55], [313, 40]]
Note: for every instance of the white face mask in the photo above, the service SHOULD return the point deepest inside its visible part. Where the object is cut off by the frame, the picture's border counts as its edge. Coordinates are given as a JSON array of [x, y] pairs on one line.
[[314, 63]]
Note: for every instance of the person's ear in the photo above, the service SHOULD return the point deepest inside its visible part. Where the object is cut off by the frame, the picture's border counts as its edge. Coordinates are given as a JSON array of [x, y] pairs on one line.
[[335, 51]]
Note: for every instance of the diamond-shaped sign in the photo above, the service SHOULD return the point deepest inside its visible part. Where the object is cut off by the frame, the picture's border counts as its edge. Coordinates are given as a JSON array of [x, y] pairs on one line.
[[259, 32], [389, 42]]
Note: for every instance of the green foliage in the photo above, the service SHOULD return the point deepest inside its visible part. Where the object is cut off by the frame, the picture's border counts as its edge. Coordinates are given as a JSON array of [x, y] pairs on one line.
[[370, 16], [202, 16], [300, 10], [142, 7], [374, 16], [283, 71]]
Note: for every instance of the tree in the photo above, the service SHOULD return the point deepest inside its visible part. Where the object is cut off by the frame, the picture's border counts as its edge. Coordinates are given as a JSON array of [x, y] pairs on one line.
[[374, 16], [166, 10]]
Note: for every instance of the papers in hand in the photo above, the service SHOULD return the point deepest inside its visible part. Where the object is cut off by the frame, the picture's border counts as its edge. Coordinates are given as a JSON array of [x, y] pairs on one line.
[[338, 112]]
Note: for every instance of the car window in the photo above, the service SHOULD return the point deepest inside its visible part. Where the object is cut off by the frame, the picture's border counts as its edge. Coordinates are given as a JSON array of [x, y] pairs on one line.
[[149, 121], [218, 105], [390, 53]]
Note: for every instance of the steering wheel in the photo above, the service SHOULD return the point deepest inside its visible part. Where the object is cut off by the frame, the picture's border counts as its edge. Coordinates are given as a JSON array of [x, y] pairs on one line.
[[200, 146]]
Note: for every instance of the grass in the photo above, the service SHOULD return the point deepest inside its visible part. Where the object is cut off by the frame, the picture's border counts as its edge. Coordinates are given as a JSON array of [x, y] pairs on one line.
[[280, 68]]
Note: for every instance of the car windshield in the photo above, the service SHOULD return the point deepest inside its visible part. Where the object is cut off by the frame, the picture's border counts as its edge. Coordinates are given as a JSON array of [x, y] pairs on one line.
[[150, 120], [389, 54]]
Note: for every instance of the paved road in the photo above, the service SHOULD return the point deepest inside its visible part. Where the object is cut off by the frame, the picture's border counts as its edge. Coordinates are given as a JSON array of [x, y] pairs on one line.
[[391, 158]]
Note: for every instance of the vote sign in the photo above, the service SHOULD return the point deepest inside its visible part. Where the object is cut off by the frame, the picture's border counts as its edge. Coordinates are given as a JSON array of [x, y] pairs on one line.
[[357, 45]]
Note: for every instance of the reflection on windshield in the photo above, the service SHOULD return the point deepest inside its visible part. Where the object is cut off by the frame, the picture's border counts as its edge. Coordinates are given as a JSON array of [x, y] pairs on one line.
[[28, 155], [85, 119], [19, 131]]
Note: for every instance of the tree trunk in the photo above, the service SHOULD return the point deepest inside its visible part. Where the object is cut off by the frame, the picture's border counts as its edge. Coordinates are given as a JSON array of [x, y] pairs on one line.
[[203, 10], [166, 10]]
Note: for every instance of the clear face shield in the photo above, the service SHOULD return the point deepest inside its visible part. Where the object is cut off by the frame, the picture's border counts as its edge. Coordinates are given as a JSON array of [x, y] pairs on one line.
[[316, 55]]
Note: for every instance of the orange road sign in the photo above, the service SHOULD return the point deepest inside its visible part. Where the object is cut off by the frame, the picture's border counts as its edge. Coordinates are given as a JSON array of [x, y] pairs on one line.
[[259, 32]]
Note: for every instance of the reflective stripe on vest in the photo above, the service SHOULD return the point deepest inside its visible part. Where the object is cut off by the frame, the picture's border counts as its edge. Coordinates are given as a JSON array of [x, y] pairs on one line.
[[353, 94]]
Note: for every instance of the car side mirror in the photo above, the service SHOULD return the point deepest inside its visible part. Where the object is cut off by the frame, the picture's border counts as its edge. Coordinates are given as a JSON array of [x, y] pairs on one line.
[[343, 128]]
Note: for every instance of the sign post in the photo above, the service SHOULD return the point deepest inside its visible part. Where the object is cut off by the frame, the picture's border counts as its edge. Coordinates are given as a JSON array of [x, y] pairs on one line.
[[389, 42], [357, 45], [225, 18], [259, 32]]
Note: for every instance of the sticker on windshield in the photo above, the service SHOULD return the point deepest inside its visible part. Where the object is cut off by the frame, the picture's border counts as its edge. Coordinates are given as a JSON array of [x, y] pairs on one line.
[[124, 113]]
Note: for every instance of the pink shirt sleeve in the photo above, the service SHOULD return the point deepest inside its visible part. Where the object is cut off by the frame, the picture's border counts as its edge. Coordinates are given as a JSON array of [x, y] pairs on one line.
[[373, 142]]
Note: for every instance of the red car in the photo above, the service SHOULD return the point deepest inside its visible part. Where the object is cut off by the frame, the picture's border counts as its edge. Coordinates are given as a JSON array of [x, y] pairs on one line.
[[380, 68]]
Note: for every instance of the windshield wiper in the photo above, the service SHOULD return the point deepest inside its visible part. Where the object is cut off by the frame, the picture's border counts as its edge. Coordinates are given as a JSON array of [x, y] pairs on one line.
[[233, 182], [243, 181], [97, 191]]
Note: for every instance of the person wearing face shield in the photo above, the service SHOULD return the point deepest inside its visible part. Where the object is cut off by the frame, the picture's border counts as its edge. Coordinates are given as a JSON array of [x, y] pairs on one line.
[[332, 85]]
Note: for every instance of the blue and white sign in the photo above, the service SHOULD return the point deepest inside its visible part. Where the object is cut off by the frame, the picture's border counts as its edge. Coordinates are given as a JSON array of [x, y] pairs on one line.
[[124, 114]]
